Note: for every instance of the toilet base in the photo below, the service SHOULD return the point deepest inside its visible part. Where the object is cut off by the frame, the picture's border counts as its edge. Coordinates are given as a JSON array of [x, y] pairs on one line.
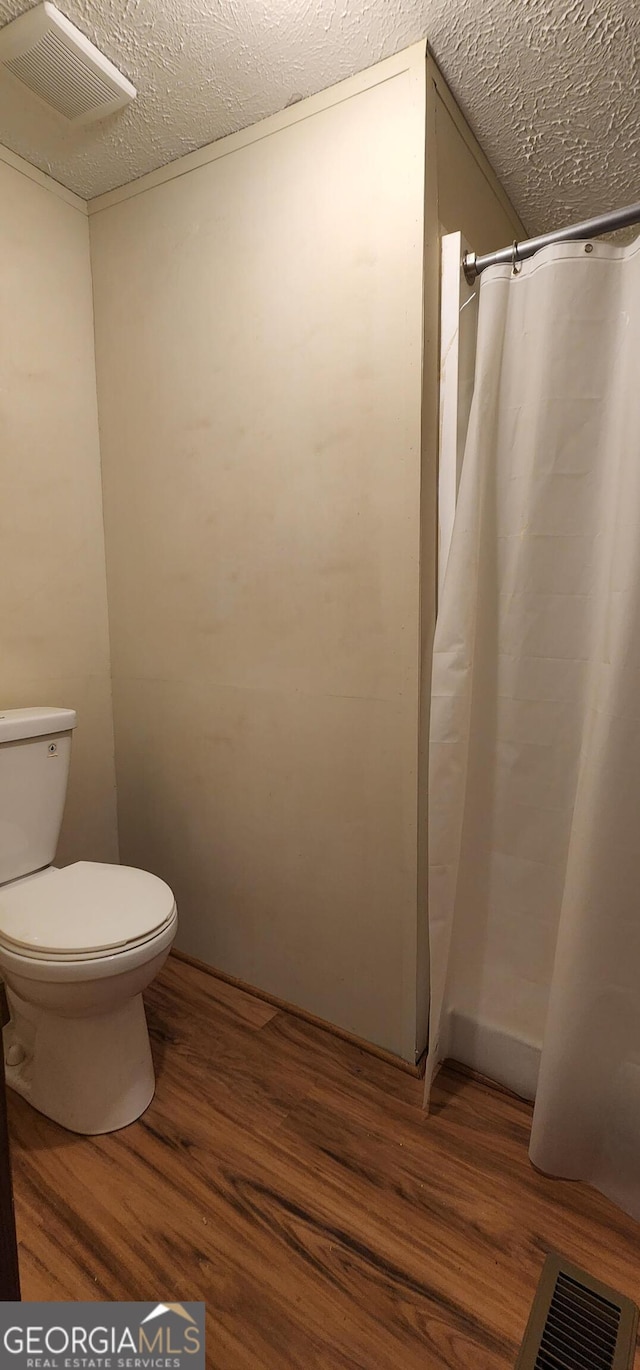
[[90, 1074]]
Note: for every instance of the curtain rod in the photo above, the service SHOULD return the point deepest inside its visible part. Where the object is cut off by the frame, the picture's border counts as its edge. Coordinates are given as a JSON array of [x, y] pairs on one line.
[[472, 265]]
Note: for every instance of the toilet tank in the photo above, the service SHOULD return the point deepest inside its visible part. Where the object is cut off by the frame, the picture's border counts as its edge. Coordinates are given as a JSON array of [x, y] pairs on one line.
[[35, 750]]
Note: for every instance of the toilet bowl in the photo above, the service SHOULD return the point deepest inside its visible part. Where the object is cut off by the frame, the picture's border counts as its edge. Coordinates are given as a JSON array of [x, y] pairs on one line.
[[78, 946]]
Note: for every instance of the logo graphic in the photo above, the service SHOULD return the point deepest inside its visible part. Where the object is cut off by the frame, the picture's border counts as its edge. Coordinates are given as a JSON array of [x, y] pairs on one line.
[[111, 1336], [161, 1308]]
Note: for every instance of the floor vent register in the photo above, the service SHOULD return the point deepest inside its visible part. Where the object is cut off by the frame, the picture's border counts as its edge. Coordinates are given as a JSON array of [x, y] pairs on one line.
[[577, 1323]]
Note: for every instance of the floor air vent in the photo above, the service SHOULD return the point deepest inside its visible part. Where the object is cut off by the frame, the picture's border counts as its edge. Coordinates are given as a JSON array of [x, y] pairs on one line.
[[576, 1323]]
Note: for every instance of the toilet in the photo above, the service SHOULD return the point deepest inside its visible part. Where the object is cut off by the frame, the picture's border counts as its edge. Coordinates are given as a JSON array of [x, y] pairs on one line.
[[78, 945]]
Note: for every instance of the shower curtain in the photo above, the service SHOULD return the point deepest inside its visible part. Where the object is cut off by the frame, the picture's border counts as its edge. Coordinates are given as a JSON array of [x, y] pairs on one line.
[[534, 827]]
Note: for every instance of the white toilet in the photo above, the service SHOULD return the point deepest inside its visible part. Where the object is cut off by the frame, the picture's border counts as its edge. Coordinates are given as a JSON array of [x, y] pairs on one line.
[[78, 945]]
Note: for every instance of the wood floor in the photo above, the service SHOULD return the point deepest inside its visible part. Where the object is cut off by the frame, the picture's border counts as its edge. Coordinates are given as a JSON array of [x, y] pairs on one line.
[[292, 1182]]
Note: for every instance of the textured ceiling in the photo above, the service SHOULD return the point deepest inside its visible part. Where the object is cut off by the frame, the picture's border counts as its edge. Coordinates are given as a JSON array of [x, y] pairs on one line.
[[549, 86]]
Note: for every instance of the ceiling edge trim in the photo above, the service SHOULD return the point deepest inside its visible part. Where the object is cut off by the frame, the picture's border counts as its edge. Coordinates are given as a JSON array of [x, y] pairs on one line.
[[40, 177], [410, 59]]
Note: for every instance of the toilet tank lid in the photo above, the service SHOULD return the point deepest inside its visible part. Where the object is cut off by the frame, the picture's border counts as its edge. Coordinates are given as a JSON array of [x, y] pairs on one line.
[[20, 723]]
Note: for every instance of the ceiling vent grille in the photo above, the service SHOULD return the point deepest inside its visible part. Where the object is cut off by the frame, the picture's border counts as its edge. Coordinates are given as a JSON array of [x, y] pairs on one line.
[[45, 51], [576, 1323]]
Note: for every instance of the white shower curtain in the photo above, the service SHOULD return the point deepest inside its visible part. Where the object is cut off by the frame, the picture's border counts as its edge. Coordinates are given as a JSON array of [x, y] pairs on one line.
[[535, 730]]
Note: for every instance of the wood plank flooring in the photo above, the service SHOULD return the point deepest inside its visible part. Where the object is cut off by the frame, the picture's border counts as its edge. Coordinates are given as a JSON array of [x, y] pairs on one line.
[[292, 1181]]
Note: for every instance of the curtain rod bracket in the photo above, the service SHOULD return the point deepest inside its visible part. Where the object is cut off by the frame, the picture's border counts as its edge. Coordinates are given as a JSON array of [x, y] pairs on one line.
[[469, 267]]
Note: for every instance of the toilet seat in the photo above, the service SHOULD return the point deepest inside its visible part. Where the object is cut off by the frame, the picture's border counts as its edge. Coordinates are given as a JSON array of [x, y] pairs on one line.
[[83, 912]]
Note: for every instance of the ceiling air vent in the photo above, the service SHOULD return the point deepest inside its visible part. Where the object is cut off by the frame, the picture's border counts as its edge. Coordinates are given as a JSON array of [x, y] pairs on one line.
[[576, 1323], [45, 51]]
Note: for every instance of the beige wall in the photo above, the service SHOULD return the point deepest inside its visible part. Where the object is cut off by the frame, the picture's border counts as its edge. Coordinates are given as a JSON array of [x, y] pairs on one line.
[[269, 485], [259, 333], [53, 615]]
